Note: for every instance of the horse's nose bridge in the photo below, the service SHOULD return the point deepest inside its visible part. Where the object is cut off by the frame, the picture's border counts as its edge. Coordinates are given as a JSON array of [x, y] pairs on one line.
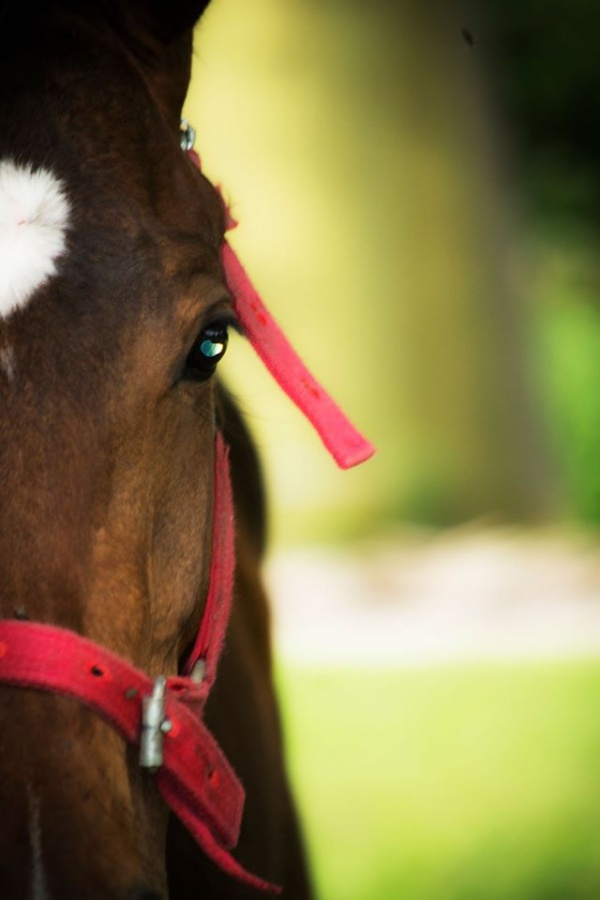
[[46, 505], [73, 816]]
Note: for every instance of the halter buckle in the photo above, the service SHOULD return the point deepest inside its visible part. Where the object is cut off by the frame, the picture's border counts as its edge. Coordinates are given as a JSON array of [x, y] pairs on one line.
[[154, 726]]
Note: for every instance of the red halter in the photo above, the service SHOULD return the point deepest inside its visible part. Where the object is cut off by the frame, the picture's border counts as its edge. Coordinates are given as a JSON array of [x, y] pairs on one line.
[[192, 773], [194, 776]]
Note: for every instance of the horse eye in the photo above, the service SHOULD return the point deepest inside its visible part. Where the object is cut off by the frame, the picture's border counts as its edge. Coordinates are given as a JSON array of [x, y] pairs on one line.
[[209, 347]]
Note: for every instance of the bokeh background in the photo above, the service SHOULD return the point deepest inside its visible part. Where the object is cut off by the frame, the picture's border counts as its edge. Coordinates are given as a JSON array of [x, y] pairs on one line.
[[418, 187]]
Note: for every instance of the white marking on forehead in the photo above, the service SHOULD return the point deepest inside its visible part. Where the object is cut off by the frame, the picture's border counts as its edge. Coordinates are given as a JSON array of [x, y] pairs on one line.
[[39, 885], [34, 214]]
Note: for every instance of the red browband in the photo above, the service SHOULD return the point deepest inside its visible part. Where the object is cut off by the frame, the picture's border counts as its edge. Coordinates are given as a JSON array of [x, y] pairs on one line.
[[193, 776]]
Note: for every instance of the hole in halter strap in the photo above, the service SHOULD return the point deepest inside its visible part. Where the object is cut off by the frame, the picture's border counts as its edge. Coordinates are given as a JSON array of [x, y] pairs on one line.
[[98, 671]]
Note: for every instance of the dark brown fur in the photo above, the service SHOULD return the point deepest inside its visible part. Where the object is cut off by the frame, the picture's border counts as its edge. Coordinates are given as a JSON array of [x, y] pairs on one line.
[[106, 463]]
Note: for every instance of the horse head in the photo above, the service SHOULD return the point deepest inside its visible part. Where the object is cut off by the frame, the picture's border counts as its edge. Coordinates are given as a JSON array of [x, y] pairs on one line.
[[113, 318], [117, 290]]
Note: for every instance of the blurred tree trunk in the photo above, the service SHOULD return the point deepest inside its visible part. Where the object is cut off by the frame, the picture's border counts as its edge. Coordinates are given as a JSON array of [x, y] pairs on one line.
[[473, 402], [368, 172]]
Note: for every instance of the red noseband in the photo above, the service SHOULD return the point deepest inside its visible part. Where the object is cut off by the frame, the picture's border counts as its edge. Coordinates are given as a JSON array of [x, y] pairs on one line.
[[194, 776]]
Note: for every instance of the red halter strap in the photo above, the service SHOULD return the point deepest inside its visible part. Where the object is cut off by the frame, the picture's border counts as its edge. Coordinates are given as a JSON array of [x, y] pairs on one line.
[[213, 626], [347, 445], [195, 778]]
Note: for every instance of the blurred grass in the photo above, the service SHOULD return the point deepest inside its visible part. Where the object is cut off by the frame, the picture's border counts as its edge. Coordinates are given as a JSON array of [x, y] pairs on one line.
[[474, 782]]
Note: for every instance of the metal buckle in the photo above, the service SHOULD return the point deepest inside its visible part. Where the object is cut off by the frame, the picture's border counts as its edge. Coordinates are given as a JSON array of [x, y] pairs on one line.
[[154, 726]]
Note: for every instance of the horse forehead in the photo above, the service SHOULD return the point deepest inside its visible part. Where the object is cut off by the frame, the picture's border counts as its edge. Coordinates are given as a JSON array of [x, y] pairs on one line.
[[48, 223], [34, 217], [115, 183]]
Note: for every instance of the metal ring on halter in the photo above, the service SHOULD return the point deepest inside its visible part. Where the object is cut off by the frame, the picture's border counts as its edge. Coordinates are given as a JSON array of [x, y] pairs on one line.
[[187, 135]]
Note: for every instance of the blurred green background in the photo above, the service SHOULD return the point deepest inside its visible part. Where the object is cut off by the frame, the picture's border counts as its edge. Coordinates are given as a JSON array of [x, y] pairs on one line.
[[418, 189]]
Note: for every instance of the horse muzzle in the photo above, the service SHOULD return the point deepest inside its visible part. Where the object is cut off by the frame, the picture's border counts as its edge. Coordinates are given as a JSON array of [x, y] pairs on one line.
[[77, 821]]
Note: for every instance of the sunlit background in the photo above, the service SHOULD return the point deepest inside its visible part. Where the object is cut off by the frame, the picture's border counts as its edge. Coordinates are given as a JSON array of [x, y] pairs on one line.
[[418, 190]]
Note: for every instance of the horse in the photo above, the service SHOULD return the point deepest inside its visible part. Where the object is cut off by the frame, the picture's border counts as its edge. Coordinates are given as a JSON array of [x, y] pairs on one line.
[[123, 460]]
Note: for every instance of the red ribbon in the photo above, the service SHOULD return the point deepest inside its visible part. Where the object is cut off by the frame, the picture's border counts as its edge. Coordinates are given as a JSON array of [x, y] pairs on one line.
[[345, 443]]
